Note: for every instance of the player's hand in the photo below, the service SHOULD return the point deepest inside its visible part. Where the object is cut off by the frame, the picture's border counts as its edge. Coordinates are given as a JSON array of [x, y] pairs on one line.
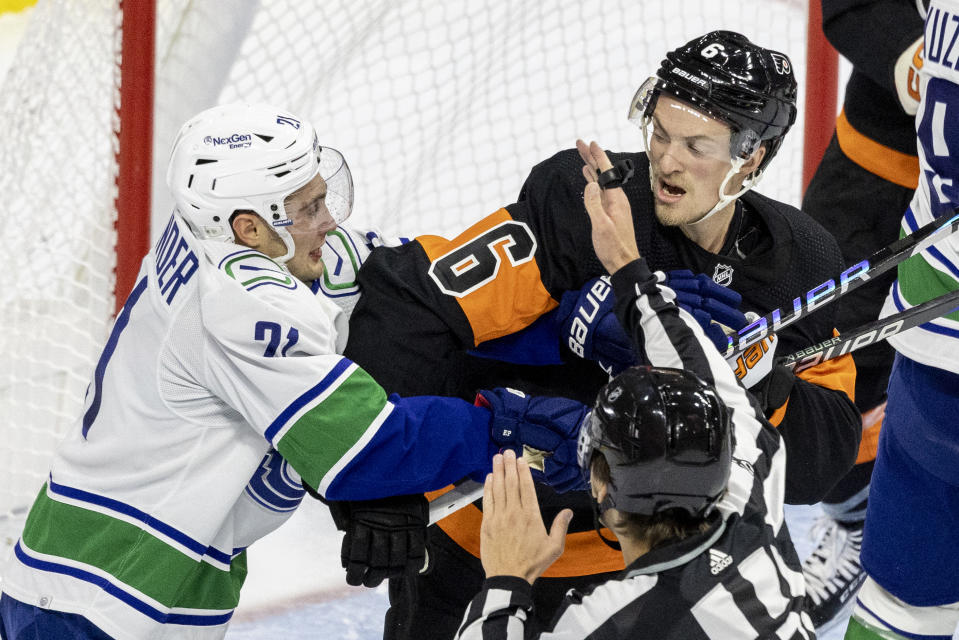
[[714, 307], [589, 327], [513, 540], [384, 538], [546, 424], [614, 238]]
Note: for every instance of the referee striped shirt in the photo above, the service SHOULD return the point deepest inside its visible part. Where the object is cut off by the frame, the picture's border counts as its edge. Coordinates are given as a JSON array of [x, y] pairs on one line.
[[740, 578]]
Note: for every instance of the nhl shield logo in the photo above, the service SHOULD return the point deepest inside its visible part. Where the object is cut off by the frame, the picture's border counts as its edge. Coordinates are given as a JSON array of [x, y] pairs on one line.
[[783, 67], [723, 274]]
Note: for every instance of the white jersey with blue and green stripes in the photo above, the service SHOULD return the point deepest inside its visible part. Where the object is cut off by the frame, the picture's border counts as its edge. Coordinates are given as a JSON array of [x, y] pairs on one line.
[[220, 392], [935, 271]]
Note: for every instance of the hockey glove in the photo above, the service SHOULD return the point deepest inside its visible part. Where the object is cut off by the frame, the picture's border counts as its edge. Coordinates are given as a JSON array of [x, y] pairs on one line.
[[541, 423], [385, 538], [589, 327], [714, 307]]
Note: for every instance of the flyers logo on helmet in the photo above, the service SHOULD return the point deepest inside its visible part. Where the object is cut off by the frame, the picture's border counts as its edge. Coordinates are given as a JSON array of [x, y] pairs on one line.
[[782, 64]]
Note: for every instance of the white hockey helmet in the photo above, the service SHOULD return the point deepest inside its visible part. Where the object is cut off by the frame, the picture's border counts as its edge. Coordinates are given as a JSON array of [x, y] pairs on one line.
[[251, 157]]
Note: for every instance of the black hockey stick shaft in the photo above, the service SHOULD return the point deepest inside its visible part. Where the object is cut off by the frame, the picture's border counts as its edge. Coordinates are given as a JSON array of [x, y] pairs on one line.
[[871, 333], [849, 280]]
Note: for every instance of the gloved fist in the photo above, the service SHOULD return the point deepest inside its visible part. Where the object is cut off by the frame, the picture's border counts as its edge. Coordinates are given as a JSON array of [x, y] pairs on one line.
[[589, 328], [713, 306], [561, 468], [385, 538], [542, 423]]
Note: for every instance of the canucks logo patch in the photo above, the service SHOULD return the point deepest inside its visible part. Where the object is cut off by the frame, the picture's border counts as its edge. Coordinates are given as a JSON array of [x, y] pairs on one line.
[[252, 269], [273, 486], [342, 259]]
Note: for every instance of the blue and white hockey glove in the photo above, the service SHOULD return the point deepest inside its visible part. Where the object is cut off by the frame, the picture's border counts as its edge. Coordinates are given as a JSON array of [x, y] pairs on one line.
[[713, 306], [589, 327], [584, 323], [544, 424]]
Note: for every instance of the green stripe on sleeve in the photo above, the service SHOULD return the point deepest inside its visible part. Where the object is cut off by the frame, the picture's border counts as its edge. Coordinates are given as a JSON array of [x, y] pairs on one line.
[[920, 281], [133, 556], [325, 433]]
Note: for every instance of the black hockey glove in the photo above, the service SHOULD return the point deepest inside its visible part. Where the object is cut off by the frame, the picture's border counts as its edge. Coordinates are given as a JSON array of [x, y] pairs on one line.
[[384, 538]]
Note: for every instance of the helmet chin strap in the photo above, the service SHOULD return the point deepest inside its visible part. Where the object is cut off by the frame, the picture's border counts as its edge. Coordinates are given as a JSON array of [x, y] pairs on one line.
[[287, 239], [724, 198], [607, 503]]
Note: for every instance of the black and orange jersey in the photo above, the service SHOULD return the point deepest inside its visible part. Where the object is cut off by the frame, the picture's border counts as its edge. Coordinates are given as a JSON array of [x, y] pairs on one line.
[[873, 129], [424, 304]]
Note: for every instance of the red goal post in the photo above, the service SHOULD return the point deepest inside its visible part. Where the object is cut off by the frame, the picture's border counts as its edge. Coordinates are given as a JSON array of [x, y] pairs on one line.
[[440, 108]]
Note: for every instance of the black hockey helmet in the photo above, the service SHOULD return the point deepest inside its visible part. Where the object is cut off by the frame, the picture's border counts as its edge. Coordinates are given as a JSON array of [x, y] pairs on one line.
[[723, 74], [667, 438]]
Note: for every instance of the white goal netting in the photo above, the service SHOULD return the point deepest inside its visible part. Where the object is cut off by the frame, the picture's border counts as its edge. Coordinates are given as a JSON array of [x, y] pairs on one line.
[[441, 108]]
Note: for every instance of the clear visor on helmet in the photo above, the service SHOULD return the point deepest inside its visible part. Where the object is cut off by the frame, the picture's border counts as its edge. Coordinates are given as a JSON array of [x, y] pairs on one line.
[[339, 183], [738, 144], [322, 203], [643, 102]]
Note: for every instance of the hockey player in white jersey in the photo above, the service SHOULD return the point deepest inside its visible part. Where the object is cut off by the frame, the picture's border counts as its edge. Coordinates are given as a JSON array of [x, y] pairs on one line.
[[220, 394], [909, 541]]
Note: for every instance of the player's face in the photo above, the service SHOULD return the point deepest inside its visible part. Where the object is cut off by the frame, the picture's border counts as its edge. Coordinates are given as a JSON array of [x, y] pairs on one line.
[[306, 207], [688, 159]]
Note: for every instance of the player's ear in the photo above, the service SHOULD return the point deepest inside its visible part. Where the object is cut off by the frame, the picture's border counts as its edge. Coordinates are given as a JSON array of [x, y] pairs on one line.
[[246, 228], [754, 160], [599, 489]]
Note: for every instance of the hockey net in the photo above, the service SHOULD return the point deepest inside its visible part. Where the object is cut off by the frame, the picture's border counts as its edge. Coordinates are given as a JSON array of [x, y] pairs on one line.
[[441, 108]]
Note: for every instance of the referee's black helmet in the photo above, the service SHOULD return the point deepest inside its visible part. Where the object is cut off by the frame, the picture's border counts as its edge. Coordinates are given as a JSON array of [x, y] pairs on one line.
[[667, 437]]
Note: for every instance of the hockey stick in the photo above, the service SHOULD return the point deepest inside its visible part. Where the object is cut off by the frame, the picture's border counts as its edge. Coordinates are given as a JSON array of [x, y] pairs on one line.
[[464, 492], [468, 491], [849, 280], [871, 333]]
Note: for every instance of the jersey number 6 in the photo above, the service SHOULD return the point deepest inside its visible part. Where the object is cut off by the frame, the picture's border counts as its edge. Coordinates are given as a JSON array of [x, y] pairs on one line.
[[472, 265]]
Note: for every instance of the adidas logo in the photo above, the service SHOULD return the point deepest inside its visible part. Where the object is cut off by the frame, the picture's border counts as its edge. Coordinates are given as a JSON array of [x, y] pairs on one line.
[[718, 561]]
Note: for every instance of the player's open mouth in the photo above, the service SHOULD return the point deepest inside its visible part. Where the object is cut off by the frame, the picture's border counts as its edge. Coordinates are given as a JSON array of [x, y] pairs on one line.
[[669, 192], [316, 254]]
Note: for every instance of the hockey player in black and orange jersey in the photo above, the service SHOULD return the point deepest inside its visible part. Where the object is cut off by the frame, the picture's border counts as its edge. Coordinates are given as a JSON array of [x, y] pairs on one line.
[[864, 182], [716, 113], [658, 452]]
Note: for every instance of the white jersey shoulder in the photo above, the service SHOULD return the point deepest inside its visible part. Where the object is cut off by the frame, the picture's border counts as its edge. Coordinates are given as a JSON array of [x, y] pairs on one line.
[[345, 252]]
